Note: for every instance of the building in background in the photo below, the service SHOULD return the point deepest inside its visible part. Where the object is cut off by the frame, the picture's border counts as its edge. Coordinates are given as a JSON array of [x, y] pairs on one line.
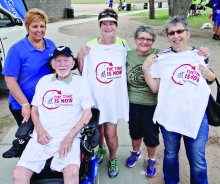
[[55, 9]]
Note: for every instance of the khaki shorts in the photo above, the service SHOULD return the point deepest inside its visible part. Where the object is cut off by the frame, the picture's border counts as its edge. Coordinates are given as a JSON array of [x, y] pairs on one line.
[[35, 155]]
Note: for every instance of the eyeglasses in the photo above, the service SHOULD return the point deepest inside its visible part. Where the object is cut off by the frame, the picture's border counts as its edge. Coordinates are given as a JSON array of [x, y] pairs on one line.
[[108, 13], [180, 31], [141, 39]]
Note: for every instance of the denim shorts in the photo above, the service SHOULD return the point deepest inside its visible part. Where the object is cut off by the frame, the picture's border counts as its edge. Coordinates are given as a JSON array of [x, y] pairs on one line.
[[141, 124]]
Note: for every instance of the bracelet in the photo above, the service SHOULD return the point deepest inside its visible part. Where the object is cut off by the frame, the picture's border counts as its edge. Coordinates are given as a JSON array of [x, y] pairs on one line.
[[210, 82], [23, 105]]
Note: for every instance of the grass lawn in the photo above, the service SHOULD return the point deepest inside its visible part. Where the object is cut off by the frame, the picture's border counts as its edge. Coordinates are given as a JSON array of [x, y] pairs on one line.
[[162, 16], [2, 122], [5, 121]]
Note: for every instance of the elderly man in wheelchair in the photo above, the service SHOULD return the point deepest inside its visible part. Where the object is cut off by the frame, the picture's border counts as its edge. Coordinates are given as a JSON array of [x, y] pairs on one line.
[[61, 108]]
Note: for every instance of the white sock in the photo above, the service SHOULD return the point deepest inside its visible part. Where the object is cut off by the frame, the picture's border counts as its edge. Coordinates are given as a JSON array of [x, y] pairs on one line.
[[153, 159], [137, 152]]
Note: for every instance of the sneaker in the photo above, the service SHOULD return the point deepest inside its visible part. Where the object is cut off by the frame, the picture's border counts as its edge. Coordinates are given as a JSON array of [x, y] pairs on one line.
[[131, 161], [151, 168], [113, 169], [16, 149], [100, 153], [214, 36]]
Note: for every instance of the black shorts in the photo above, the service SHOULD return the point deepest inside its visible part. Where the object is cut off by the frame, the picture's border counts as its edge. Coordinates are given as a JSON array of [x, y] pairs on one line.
[[193, 7], [141, 124]]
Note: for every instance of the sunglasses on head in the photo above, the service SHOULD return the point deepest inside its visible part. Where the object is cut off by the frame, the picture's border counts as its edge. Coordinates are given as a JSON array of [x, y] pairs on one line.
[[179, 31], [108, 13]]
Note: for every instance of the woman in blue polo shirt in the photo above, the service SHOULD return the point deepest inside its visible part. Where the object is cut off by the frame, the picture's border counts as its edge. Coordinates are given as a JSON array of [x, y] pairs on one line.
[[25, 64]]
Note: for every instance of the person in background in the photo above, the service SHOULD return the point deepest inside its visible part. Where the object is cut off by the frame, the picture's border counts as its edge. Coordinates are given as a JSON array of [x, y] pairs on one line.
[[61, 107], [103, 63], [181, 76], [201, 6], [124, 5], [213, 16], [25, 64], [110, 4], [216, 19], [193, 7], [142, 100]]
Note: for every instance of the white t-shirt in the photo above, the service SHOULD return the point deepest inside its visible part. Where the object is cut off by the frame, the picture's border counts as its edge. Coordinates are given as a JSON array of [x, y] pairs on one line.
[[60, 104], [105, 70], [183, 94]]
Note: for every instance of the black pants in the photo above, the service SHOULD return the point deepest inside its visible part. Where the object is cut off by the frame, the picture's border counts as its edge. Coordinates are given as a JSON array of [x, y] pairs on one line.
[[17, 115], [19, 118]]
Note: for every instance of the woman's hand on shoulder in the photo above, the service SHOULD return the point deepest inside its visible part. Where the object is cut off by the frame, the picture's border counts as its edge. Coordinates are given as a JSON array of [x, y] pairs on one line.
[[204, 51], [149, 61]]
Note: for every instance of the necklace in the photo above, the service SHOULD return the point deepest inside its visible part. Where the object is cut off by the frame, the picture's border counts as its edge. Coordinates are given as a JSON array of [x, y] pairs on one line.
[[42, 47]]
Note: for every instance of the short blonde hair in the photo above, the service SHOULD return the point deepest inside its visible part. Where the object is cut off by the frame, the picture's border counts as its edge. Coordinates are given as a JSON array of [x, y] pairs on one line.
[[35, 15]]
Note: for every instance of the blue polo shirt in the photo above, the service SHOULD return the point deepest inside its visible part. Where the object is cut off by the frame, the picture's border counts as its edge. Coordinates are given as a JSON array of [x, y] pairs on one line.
[[28, 65], [216, 14], [216, 9]]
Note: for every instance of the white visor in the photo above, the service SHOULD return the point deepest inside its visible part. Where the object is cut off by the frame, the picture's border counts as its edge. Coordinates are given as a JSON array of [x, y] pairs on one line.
[[108, 19]]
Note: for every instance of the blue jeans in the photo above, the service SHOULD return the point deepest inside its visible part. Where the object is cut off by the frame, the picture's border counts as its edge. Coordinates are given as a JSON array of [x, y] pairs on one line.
[[195, 151]]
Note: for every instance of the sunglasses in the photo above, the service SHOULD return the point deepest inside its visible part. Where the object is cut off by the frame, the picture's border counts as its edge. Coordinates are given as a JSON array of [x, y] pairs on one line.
[[108, 13], [180, 31], [141, 39]]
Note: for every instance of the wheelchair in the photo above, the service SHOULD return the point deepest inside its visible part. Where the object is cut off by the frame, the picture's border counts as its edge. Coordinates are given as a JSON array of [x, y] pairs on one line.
[[89, 161]]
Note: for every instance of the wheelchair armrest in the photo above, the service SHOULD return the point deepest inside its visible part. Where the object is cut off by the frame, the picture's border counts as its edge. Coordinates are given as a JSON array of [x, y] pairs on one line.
[[90, 134], [89, 143], [94, 121], [24, 129]]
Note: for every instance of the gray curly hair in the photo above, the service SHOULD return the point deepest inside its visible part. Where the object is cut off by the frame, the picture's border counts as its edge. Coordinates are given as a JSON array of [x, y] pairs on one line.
[[175, 20], [146, 29]]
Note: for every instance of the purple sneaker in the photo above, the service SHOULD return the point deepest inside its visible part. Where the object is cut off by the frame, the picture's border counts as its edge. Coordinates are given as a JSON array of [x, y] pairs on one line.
[[151, 168], [131, 161]]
